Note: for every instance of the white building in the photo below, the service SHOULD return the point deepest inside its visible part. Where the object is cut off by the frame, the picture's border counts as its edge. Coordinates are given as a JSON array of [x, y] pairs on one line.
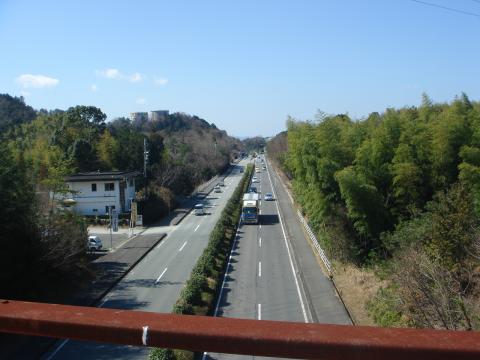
[[158, 115], [95, 192], [139, 118]]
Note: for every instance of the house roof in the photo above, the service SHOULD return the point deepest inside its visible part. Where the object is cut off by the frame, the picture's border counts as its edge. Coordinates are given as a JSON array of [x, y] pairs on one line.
[[101, 175]]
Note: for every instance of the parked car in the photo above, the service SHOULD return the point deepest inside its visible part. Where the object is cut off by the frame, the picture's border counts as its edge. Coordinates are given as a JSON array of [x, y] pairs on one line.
[[199, 209], [94, 243], [268, 197], [217, 189]]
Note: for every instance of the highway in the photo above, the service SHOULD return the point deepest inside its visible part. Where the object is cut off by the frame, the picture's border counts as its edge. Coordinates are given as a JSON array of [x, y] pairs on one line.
[[155, 283], [273, 274]]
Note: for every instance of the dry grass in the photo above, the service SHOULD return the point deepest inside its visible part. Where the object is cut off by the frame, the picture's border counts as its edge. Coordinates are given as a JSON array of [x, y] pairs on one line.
[[357, 286]]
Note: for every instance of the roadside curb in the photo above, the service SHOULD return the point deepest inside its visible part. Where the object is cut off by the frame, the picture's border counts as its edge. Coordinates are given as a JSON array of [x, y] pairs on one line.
[[95, 302]]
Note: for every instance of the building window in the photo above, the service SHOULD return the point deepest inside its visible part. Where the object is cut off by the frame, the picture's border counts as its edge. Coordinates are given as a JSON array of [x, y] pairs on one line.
[[107, 208], [109, 186], [94, 187]]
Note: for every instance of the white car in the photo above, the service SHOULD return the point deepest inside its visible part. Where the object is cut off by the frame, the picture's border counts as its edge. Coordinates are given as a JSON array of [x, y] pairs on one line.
[[199, 209], [94, 243], [217, 189], [268, 197], [255, 180]]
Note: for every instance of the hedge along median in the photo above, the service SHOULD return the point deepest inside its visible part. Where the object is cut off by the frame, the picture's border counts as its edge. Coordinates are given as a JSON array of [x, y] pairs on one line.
[[200, 291]]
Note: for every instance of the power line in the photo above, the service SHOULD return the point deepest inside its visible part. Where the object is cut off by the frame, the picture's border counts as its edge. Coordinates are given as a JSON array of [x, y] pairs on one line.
[[448, 8]]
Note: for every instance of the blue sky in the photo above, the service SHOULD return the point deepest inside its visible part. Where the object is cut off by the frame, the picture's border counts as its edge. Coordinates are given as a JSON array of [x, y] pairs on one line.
[[243, 65]]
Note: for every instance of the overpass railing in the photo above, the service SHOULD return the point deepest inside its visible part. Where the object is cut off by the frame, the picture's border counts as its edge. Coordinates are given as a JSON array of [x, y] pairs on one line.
[[235, 336]]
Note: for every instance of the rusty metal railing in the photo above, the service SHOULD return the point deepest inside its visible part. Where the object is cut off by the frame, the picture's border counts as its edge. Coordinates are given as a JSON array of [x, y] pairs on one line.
[[235, 336]]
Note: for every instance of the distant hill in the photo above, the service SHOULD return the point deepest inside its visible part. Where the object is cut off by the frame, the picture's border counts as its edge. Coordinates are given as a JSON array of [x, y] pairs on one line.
[[13, 111]]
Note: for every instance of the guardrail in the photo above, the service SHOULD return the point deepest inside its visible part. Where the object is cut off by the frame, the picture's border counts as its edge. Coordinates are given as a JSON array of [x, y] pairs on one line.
[[312, 236], [236, 336]]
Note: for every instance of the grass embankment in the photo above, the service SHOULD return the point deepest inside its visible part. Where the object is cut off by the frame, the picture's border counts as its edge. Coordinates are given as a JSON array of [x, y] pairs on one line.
[[200, 291]]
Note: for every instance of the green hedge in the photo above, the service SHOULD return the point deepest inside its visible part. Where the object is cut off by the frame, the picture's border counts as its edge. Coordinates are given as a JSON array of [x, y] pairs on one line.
[[211, 264]]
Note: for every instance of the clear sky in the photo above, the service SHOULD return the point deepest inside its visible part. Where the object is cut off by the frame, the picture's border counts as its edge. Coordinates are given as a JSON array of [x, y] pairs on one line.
[[243, 65]]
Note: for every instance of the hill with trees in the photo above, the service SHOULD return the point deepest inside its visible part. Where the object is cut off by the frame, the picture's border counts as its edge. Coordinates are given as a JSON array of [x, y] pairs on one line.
[[400, 192], [40, 148], [13, 112]]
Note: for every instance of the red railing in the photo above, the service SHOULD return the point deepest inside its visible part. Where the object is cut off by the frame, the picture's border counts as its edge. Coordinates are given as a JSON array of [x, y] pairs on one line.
[[235, 336]]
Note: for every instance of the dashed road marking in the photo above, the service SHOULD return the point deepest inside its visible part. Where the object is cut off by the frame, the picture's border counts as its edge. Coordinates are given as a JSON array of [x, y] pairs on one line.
[[185, 243], [163, 273]]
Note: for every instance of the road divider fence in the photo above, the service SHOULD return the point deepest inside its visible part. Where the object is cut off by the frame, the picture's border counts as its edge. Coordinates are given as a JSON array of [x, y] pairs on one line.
[[315, 242]]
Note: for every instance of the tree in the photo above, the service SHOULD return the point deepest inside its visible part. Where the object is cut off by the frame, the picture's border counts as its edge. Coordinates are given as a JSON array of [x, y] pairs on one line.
[[107, 151], [14, 112]]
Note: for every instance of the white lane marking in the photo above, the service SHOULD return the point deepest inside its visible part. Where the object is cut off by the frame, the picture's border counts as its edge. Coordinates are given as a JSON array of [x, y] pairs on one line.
[[259, 242], [185, 243], [260, 203], [196, 228], [259, 312], [289, 254], [57, 349], [260, 226], [161, 243], [104, 301], [145, 335], [163, 273], [259, 269], [260, 212]]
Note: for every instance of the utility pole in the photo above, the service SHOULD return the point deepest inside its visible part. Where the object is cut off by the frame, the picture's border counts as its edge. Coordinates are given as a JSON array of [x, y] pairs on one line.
[[145, 160]]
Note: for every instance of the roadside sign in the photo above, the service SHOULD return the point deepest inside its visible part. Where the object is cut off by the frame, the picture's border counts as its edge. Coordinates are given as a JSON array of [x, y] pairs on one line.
[[139, 221], [133, 214], [115, 220], [115, 224]]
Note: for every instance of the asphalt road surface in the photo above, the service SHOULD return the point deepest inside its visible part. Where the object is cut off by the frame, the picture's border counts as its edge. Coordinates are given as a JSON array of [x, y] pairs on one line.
[[273, 273], [155, 283]]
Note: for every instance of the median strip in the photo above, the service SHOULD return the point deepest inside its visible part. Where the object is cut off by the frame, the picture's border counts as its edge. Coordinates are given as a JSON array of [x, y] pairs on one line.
[[204, 286]]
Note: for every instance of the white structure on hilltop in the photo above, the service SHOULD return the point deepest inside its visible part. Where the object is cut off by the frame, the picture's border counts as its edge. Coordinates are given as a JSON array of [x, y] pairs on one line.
[[139, 118], [158, 115], [95, 192]]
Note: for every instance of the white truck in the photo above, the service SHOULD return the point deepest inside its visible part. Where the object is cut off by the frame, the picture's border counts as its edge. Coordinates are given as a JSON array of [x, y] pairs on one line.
[[250, 208]]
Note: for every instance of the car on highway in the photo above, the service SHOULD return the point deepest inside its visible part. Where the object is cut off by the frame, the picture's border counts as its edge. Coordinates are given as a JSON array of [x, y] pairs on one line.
[[217, 189], [255, 179], [268, 197], [94, 243], [252, 189], [199, 209]]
